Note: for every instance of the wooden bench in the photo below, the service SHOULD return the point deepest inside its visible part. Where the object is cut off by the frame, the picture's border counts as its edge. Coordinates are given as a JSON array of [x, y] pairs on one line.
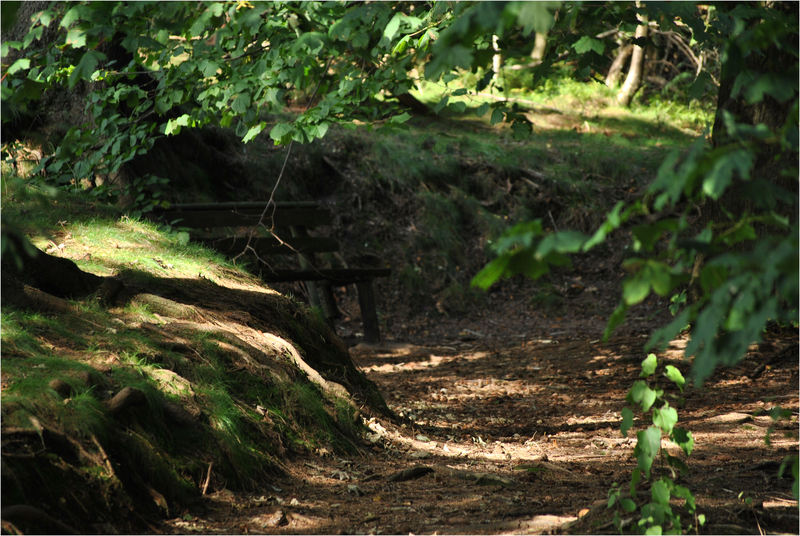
[[225, 226]]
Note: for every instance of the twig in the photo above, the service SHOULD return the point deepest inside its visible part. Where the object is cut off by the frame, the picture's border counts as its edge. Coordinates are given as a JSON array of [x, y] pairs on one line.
[[553, 221], [106, 461], [271, 200], [760, 530], [208, 478]]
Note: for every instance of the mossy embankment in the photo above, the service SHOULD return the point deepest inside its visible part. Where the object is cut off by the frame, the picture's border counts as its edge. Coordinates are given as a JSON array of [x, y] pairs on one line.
[[191, 376]]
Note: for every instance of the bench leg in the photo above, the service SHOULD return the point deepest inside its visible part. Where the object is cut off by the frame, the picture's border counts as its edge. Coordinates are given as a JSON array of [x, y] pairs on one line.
[[327, 302], [369, 316], [313, 294]]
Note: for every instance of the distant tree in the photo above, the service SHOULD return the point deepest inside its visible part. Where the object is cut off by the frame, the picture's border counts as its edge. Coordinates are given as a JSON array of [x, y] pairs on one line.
[[634, 77]]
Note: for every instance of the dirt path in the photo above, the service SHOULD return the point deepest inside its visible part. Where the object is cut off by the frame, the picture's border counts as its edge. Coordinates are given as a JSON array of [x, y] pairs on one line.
[[524, 438]]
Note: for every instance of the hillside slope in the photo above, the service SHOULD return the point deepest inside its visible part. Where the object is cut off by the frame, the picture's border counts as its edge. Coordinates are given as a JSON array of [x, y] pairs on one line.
[[192, 377]]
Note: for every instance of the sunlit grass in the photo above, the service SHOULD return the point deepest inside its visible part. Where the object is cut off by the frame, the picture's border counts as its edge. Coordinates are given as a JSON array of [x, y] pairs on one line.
[[581, 105]]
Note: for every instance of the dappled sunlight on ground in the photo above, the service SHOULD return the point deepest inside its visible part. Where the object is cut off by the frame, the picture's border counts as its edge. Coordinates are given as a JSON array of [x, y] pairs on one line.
[[524, 438]]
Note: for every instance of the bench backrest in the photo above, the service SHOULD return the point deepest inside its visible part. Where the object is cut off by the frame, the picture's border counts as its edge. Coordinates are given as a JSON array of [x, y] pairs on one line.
[[211, 215], [289, 219]]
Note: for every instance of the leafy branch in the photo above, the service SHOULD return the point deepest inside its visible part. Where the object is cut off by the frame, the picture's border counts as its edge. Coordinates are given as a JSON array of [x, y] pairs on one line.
[[657, 515]]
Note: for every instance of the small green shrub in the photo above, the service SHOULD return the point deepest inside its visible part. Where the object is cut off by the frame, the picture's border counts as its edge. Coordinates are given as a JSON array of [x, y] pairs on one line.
[[657, 515]]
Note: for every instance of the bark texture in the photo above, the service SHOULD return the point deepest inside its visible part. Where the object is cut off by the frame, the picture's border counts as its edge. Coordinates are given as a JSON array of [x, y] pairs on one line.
[[539, 46], [634, 78], [615, 71]]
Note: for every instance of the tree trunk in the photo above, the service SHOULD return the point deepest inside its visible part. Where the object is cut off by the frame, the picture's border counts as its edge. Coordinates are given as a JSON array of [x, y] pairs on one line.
[[772, 160], [497, 59], [24, 265], [634, 78], [539, 46], [768, 111], [615, 71]]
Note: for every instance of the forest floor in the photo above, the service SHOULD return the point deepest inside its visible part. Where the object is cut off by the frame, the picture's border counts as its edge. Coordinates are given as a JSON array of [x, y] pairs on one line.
[[509, 404], [510, 424]]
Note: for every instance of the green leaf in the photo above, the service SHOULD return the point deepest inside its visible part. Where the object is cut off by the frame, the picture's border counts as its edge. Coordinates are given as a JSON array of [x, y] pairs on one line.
[[482, 109], [662, 336], [655, 530], [665, 418], [522, 262], [6, 46], [401, 45], [76, 37], [636, 477], [614, 218], [320, 129], [446, 58], [241, 103], [647, 447], [628, 505], [649, 366], [19, 65], [254, 131], [742, 231], [682, 492], [400, 118], [441, 104], [491, 273], [613, 494], [174, 125], [281, 133], [391, 28], [71, 16], [85, 67], [208, 68], [642, 394], [659, 492], [483, 82], [684, 439], [737, 163], [660, 277], [535, 16], [778, 86], [497, 116], [616, 318], [713, 276], [309, 43], [675, 375], [458, 107], [646, 235], [521, 129], [586, 44], [627, 421], [677, 463], [635, 288]]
